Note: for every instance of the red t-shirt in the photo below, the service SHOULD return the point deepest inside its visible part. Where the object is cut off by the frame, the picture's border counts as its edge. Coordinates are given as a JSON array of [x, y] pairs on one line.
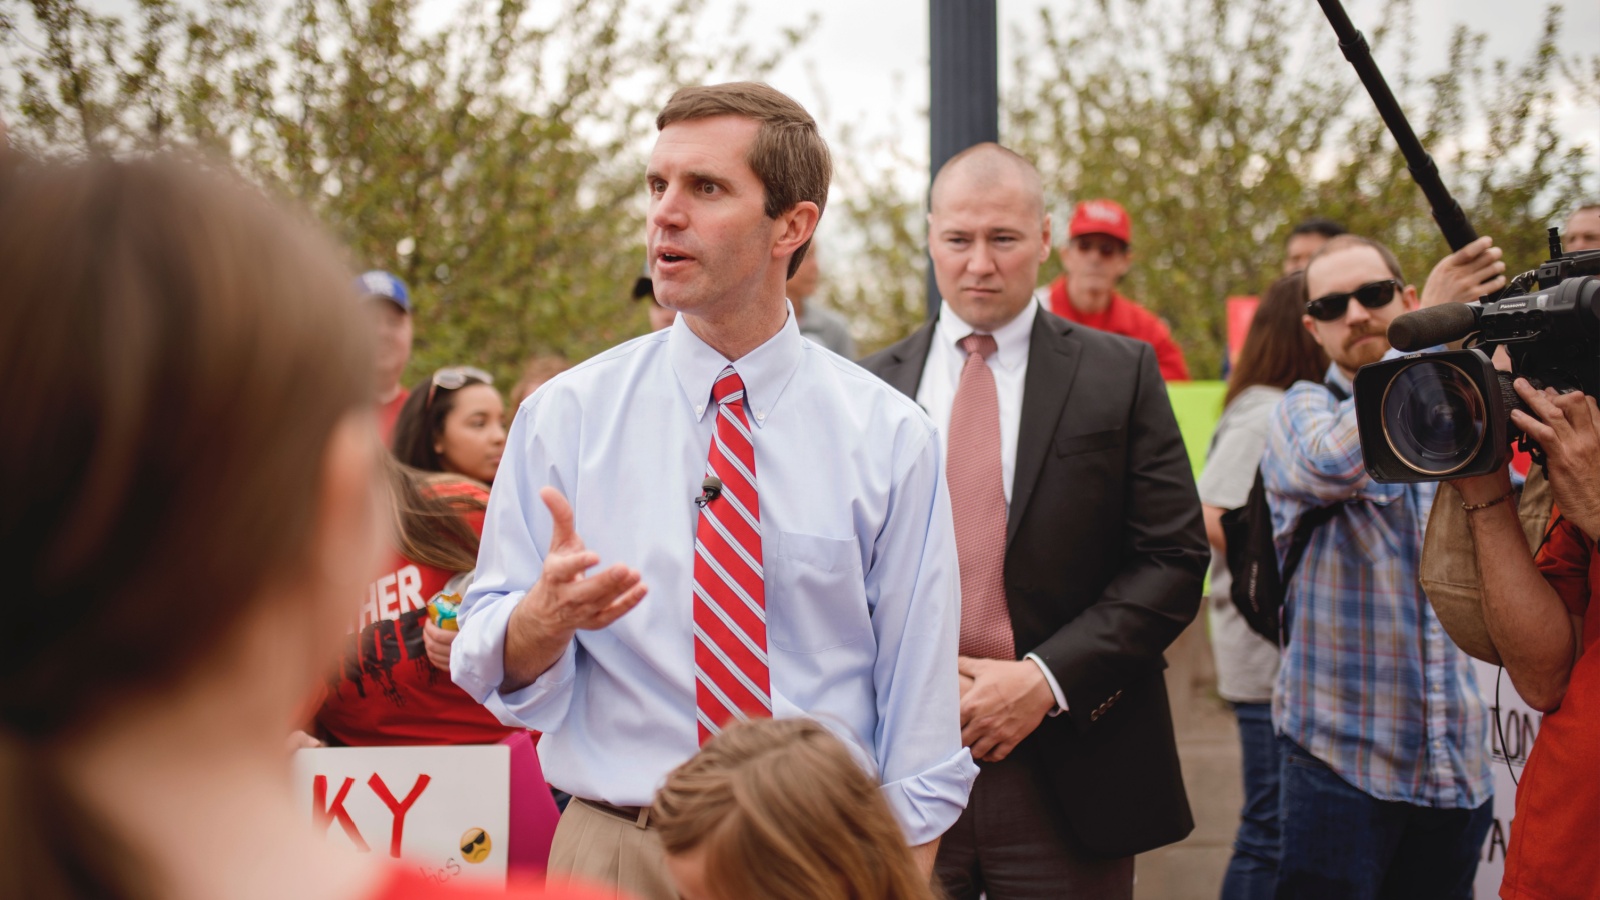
[[388, 413], [386, 692], [1558, 800], [1127, 318], [404, 884]]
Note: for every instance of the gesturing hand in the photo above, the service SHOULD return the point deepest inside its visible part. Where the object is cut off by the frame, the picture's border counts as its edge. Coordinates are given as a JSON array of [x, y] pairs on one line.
[[1568, 428], [1006, 701], [1466, 274], [564, 600]]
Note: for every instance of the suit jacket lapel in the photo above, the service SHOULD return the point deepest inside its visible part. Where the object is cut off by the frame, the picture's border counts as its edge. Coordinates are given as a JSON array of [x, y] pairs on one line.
[[904, 370], [1052, 364]]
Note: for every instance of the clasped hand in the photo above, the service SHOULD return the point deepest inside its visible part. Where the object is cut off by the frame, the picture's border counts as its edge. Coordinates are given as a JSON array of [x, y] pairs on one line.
[[1002, 702]]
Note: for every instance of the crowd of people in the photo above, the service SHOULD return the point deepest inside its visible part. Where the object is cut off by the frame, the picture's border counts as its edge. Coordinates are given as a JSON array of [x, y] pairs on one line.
[[783, 625]]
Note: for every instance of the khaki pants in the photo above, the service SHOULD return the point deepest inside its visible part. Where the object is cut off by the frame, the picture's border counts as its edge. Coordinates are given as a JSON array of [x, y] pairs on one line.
[[600, 848]]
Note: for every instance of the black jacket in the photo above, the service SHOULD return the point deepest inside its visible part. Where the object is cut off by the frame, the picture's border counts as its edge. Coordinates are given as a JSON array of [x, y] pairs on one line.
[[1105, 556]]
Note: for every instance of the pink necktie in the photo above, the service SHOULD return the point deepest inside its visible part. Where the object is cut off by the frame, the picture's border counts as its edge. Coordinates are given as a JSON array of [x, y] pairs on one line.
[[978, 501], [730, 601]]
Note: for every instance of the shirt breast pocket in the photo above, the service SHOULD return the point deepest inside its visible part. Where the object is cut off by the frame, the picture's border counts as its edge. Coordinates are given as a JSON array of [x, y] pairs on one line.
[[816, 598]]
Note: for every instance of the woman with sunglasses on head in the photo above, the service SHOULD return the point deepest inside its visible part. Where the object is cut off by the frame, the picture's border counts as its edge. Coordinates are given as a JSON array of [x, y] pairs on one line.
[[454, 422], [452, 432], [1277, 352], [172, 615]]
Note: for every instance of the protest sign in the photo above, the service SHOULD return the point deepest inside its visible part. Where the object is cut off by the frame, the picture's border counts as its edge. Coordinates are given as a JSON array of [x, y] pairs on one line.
[[1511, 736], [444, 809]]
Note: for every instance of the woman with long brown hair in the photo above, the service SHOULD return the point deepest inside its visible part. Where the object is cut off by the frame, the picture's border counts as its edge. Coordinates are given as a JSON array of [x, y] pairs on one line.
[[779, 809], [393, 685], [189, 509], [1277, 352]]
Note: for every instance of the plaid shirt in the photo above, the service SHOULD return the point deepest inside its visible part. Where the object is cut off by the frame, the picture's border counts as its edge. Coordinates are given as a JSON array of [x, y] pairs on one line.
[[1370, 683]]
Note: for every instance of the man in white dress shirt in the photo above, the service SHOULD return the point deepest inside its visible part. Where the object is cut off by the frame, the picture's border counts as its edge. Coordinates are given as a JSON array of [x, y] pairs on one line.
[[785, 510]]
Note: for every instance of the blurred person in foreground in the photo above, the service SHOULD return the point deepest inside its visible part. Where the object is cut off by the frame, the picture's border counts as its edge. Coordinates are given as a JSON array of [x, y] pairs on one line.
[[1384, 784], [1582, 231], [1081, 552], [1305, 240], [813, 575], [1277, 352], [1536, 609], [535, 372], [818, 322], [389, 304], [453, 422], [779, 809], [179, 606], [1096, 256]]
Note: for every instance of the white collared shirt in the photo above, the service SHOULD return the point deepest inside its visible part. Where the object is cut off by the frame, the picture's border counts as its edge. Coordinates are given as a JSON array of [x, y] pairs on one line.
[[857, 546], [941, 375], [936, 394]]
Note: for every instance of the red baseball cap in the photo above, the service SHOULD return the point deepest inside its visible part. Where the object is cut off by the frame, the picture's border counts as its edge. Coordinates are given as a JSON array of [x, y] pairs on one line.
[[1101, 217]]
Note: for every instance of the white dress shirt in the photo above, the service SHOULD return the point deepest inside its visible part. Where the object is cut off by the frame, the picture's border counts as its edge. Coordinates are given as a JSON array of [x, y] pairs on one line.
[[858, 551], [936, 394]]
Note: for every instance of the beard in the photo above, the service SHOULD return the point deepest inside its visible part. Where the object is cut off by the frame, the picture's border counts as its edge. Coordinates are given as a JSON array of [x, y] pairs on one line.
[[1353, 357]]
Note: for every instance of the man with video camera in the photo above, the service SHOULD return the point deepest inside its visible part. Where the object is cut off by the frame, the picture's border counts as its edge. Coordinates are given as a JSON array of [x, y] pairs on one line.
[[1385, 788], [1535, 609]]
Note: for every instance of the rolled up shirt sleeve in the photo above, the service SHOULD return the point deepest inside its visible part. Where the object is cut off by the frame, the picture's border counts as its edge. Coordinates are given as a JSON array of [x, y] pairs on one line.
[[510, 559], [914, 588]]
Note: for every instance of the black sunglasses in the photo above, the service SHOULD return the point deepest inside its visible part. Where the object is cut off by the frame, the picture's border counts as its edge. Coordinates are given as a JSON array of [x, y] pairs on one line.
[[1373, 295], [454, 378]]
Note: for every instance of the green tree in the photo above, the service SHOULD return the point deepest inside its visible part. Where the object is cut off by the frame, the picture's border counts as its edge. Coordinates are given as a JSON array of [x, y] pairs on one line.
[[494, 162], [1219, 125]]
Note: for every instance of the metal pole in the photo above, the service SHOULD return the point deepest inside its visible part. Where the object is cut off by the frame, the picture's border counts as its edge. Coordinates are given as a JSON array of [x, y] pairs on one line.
[[964, 107]]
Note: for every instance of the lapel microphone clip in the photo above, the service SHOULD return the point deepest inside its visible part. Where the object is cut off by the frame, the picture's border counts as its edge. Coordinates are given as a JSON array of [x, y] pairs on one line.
[[710, 489]]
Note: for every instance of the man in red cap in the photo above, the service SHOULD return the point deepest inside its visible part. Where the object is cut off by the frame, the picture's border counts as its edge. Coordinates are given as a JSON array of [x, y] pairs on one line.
[[1096, 256]]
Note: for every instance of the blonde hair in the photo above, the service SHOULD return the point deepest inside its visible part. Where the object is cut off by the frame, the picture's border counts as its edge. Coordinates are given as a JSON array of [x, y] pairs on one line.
[[781, 810]]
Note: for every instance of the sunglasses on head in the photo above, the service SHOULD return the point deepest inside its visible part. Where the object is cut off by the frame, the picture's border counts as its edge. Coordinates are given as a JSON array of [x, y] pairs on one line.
[[1373, 295], [454, 378]]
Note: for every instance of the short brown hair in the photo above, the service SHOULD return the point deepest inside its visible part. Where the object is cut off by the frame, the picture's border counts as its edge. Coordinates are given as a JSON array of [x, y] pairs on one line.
[[788, 154], [781, 810], [1346, 241]]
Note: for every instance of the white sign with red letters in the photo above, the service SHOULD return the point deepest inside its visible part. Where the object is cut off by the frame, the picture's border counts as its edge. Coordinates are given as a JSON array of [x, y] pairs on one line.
[[444, 809], [1511, 735]]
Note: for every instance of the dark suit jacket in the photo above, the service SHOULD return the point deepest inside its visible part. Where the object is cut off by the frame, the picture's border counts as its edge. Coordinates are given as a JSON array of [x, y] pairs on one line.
[[1105, 556]]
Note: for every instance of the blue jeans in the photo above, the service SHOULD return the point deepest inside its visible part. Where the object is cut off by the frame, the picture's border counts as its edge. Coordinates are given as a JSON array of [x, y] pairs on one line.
[[1253, 870], [1341, 843]]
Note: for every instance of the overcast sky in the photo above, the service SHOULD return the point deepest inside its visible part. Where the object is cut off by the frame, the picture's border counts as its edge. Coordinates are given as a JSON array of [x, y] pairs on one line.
[[867, 60]]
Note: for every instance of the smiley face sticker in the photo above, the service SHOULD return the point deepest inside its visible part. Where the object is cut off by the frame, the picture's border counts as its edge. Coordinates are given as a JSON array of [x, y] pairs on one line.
[[475, 845]]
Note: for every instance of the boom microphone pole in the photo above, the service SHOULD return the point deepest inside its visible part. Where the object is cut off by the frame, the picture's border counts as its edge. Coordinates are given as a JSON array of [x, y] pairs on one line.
[[1446, 211]]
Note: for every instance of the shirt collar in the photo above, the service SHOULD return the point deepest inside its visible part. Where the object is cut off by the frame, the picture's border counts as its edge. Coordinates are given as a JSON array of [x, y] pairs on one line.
[[765, 370], [1336, 376], [1011, 339]]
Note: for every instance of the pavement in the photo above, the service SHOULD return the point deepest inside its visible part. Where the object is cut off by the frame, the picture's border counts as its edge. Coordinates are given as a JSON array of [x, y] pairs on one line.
[[1208, 746]]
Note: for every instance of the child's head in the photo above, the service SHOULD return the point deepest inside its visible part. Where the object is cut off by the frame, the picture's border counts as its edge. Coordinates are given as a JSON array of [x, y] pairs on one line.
[[778, 808]]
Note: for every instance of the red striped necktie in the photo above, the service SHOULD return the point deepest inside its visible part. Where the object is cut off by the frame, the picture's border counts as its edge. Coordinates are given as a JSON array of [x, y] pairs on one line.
[[730, 600]]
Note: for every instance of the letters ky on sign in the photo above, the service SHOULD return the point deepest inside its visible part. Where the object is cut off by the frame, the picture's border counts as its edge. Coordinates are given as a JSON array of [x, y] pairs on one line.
[[444, 809]]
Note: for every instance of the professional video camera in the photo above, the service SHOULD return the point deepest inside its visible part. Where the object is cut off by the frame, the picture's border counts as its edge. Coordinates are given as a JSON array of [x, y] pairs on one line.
[[1429, 416]]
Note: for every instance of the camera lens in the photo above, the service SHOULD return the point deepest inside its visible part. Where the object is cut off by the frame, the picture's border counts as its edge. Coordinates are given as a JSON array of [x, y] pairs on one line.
[[1434, 417]]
